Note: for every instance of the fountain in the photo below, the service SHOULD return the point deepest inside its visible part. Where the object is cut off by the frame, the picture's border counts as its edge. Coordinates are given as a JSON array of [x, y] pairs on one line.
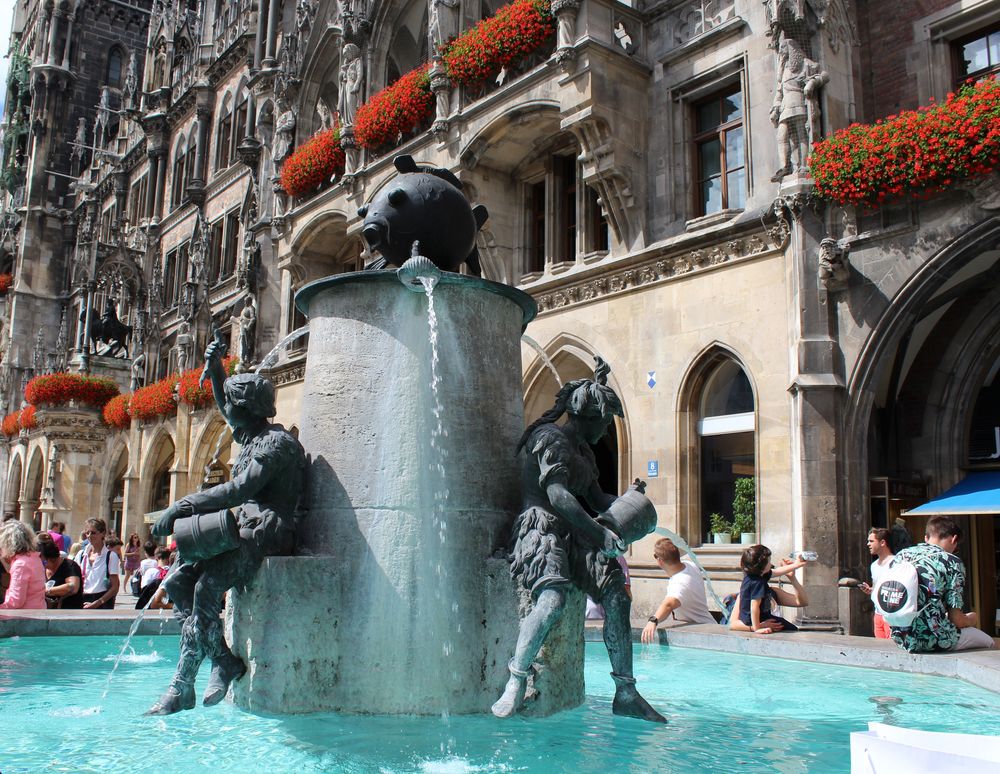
[[399, 593]]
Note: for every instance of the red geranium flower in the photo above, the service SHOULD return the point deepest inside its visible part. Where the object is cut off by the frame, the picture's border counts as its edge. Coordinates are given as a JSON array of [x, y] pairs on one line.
[[155, 400], [59, 389], [116, 412], [313, 163], [399, 108]]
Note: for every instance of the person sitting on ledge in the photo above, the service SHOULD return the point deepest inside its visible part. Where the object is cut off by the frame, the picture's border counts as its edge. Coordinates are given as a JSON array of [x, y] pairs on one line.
[[685, 599], [752, 611], [267, 481], [557, 544], [940, 623]]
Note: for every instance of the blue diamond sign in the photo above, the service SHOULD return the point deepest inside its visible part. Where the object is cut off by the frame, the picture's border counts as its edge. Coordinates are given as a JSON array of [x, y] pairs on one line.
[[651, 379]]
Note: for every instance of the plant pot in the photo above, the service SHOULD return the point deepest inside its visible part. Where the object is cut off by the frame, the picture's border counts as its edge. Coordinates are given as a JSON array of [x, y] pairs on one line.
[[722, 538], [748, 538]]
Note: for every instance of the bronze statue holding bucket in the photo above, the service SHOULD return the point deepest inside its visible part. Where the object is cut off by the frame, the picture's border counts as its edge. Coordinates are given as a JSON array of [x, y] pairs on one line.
[[223, 533]]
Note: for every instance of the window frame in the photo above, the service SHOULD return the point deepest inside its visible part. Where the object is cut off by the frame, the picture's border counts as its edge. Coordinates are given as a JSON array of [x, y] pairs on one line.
[[719, 133], [958, 59]]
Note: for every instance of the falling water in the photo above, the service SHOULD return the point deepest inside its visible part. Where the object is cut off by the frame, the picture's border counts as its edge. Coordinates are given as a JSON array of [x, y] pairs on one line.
[[272, 357], [545, 358], [125, 646], [682, 545]]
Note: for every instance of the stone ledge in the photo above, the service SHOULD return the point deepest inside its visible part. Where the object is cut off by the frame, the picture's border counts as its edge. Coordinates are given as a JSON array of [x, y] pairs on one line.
[[84, 623], [979, 667]]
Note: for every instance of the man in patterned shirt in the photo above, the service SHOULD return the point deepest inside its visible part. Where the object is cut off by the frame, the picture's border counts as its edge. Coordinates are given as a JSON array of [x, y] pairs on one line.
[[940, 624]]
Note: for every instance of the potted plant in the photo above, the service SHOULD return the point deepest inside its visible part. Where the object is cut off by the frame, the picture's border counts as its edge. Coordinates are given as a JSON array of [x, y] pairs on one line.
[[722, 529], [745, 510]]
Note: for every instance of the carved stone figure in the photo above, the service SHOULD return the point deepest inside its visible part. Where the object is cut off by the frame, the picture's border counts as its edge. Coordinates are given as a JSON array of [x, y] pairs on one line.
[[411, 209], [795, 110], [183, 346], [221, 548], [103, 116], [137, 373], [442, 22], [557, 544], [131, 80], [246, 325], [832, 267], [325, 114], [80, 141], [109, 330], [284, 132], [351, 76]]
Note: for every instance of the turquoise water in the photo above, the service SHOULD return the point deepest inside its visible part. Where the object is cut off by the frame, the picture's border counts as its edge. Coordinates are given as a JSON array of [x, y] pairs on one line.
[[727, 713]]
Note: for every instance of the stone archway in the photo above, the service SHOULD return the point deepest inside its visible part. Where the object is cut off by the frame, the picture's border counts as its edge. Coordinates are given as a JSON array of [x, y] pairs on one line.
[[31, 493], [15, 480]]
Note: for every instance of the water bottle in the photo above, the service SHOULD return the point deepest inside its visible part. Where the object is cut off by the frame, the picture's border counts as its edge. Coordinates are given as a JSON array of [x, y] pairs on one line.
[[805, 556]]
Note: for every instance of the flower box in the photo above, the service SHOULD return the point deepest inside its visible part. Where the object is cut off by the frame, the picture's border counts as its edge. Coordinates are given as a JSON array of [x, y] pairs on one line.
[[913, 154], [10, 426], [313, 163], [399, 108], [500, 41], [116, 412], [156, 400], [62, 388]]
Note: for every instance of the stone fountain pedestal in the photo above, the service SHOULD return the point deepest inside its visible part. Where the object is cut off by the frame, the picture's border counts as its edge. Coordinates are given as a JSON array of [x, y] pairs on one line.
[[399, 599]]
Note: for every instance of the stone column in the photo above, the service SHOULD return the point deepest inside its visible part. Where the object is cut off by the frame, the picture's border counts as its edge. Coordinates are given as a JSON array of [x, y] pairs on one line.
[[441, 88], [258, 49], [272, 32], [27, 514], [50, 52], [69, 40], [161, 162], [817, 392], [151, 183]]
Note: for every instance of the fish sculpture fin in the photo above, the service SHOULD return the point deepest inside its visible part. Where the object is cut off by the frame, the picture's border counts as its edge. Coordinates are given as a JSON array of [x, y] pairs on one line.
[[472, 263], [376, 264], [481, 214], [404, 163], [445, 174]]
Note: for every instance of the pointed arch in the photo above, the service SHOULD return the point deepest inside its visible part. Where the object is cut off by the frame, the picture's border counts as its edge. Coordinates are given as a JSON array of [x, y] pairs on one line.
[[716, 413]]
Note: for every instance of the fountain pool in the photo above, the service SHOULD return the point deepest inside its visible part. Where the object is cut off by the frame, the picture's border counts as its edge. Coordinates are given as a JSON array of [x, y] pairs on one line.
[[725, 712]]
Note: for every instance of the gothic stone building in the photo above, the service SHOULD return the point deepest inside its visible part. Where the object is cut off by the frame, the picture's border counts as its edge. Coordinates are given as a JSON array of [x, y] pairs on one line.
[[643, 183]]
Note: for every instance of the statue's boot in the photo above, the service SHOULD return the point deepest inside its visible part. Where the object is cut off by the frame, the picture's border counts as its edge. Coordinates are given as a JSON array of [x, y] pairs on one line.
[[225, 669], [179, 696], [782, 173], [628, 702], [513, 694]]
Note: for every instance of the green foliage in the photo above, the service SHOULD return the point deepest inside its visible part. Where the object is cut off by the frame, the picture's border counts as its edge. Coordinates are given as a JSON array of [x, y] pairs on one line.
[[745, 505], [720, 525]]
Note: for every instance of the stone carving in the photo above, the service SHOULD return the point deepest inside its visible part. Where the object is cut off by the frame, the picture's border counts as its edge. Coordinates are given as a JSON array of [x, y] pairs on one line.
[[137, 372], [184, 345], [663, 269], [696, 18], [245, 324], [284, 132], [108, 330], [221, 548], [325, 114], [565, 12], [557, 544], [795, 110], [442, 22], [103, 116], [131, 85], [832, 269], [412, 208], [351, 76], [79, 151]]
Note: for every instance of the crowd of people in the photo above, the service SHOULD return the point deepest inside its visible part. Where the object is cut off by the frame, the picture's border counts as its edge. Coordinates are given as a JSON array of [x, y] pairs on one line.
[[48, 571], [917, 592]]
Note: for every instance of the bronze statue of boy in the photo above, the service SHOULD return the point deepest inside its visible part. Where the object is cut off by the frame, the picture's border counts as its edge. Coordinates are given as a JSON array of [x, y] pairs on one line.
[[558, 544], [267, 481]]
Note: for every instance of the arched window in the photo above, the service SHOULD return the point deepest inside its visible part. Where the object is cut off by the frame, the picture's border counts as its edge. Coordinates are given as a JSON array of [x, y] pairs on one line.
[[113, 72], [224, 135], [726, 431], [178, 181]]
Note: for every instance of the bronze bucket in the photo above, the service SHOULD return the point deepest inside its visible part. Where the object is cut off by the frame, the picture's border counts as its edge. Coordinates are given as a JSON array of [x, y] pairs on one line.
[[631, 517], [206, 535]]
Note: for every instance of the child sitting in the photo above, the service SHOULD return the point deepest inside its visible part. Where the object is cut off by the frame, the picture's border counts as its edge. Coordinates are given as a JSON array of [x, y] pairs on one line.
[[755, 612]]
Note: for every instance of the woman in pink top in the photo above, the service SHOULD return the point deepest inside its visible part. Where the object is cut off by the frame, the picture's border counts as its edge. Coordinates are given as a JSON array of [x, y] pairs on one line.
[[27, 575]]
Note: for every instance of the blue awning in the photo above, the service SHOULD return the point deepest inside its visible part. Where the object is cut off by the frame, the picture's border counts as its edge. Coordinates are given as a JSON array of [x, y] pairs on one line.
[[977, 493]]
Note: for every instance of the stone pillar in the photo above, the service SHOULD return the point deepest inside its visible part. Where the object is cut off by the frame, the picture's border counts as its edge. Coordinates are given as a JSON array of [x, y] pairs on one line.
[[69, 39], [151, 183], [161, 163], [50, 52], [273, 12], [27, 514], [258, 48], [817, 392], [441, 88], [411, 497]]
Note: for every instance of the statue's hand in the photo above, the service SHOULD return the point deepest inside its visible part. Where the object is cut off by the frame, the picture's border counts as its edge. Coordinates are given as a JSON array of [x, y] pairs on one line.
[[165, 524], [775, 115], [215, 351], [613, 545]]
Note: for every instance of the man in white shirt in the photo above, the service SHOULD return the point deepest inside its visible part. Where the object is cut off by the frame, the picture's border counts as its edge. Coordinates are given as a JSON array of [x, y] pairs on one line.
[[878, 545], [685, 590]]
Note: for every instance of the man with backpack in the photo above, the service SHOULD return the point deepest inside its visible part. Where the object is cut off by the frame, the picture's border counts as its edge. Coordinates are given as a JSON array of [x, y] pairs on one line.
[[920, 595]]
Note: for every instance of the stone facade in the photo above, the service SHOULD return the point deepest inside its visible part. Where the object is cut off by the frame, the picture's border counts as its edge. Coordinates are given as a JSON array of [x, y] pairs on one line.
[[629, 170]]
